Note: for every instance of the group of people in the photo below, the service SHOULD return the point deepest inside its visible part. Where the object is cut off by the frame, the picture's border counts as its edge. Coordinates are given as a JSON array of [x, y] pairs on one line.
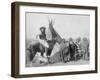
[[78, 48], [70, 49]]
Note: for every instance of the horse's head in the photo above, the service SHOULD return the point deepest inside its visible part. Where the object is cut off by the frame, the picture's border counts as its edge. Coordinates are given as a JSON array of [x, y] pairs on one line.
[[29, 49], [30, 52]]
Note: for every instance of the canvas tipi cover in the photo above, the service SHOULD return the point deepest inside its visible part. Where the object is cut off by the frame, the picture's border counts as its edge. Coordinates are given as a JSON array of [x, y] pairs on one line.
[[51, 32]]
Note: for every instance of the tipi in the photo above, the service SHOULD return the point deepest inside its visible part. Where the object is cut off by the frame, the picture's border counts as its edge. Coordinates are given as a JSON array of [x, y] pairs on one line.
[[56, 54], [52, 32]]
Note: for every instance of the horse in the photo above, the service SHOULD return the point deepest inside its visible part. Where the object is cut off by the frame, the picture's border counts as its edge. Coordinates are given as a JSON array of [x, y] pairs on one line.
[[38, 47], [34, 48]]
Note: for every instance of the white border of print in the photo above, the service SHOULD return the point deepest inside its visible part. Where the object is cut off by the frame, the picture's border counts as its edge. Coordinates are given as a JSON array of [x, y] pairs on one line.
[[49, 69]]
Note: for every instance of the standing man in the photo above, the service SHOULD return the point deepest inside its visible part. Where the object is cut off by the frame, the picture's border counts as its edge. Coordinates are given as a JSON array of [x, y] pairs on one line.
[[85, 48], [78, 48], [72, 49]]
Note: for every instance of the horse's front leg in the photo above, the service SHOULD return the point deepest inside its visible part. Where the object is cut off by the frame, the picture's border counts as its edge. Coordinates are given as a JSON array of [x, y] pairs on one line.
[[49, 52], [42, 54]]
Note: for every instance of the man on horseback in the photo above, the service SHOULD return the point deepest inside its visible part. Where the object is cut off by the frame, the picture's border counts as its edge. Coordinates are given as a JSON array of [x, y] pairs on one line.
[[48, 44], [42, 38]]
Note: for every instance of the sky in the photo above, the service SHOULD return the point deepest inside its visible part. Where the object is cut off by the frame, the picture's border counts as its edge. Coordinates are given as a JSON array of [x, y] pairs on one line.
[[67, 25]]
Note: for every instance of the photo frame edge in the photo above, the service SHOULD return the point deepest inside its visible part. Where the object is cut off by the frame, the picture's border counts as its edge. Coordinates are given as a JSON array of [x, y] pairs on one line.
[[15, 40]]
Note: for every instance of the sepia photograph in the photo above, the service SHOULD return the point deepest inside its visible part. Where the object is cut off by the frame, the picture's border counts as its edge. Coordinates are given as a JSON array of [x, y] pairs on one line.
[[56, 39]]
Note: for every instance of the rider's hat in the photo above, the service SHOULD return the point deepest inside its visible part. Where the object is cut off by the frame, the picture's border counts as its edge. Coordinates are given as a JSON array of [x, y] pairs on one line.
[[42, 28]]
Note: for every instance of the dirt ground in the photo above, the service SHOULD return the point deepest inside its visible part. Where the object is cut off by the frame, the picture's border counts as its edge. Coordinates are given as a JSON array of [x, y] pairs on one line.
[[44, 62]]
